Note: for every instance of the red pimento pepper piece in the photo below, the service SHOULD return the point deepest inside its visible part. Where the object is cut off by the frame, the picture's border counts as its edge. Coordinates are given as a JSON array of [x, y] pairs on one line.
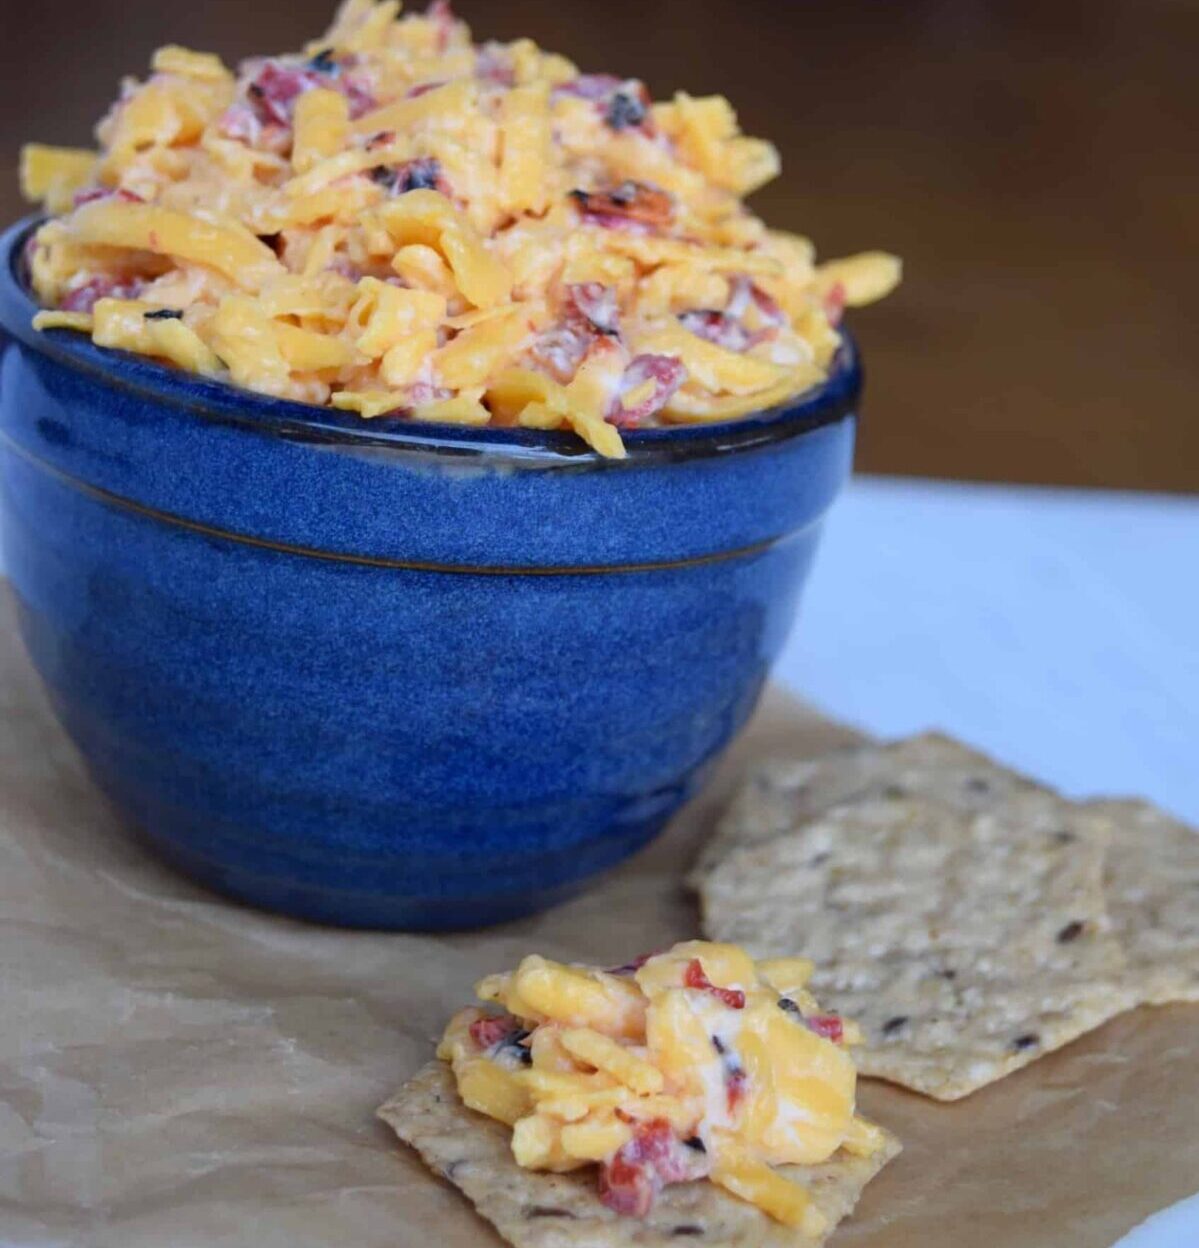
[[834, 303], [665, 371], [717, 327], [240, 122], [560, 351], [727, 328], [772, 316], [423, 88], [83, 298], [360, 97], [768, 307], [276, 88], [490, 1030], [590, 321], [655, 1156], [94, 193], [627, 1187], [596, 304], [277, 85], [630, 203], [658, 1146], [651, 1139], [694, 977], [829, 1026]]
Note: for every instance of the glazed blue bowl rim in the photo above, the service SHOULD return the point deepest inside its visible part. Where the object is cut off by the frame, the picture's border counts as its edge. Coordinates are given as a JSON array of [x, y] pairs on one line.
[[832, 400]]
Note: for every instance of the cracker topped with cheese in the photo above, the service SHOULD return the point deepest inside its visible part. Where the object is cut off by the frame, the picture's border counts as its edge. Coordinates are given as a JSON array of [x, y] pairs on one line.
[[400, 221], [691, 1088]]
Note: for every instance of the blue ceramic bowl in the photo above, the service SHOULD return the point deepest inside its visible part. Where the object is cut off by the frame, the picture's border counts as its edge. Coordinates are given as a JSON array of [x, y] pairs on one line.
[[387, 675]]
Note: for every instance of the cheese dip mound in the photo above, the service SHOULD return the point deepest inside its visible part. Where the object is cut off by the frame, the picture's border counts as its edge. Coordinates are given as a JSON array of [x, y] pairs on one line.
[[692, 1064], [401, 221]]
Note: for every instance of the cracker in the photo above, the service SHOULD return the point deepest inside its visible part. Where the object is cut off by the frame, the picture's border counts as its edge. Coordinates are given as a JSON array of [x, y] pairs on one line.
[[534, 1209], [781, 794], [965, 942], [1152, 885], [1152, 877]]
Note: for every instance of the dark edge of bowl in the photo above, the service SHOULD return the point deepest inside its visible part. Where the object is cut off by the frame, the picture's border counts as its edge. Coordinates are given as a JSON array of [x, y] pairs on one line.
[[831, 401]]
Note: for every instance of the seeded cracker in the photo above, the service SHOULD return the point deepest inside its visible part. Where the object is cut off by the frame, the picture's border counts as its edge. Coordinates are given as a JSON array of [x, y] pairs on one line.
[[966, 943], [535, 1209], [1152, 870], [1152, 883], [781, 794]]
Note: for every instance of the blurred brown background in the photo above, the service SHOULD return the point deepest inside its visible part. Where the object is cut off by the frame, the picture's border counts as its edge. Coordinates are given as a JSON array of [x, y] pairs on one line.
[[1034, 161]]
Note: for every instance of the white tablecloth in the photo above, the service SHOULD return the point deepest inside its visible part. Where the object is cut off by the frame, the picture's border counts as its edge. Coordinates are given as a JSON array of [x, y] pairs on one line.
[[1057, 629]]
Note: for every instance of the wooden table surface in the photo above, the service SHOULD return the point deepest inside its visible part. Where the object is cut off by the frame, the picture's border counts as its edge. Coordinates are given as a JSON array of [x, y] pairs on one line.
[[1034, 162]]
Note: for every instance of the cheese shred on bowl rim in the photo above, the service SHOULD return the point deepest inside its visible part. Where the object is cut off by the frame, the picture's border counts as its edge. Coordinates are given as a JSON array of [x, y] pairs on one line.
[[696, 1063], [398, 221]]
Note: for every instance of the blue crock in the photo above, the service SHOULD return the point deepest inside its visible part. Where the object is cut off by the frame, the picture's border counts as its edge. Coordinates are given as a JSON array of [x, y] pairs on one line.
[[382, 675]]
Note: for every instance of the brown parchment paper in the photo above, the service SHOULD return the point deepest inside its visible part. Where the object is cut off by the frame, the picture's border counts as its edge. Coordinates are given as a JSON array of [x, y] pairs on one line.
[[176, 1071]]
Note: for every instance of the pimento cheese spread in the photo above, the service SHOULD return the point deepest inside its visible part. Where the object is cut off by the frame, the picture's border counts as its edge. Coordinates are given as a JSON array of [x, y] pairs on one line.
[[693, 1064], [401, 221]]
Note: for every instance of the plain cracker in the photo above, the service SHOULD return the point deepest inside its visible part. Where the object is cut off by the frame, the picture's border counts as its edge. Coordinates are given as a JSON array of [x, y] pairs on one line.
[[535, 1209], [966, 943], [1152, 885], [780, 794], [1152, 871]]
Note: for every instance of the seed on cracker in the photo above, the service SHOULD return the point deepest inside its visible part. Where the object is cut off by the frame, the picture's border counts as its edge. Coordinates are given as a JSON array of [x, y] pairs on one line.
[[966, 938], [537, 1209]]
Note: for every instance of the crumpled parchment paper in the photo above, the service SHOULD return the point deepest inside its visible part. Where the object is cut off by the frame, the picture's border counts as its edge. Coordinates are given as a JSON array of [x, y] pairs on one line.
[[179, 1071]]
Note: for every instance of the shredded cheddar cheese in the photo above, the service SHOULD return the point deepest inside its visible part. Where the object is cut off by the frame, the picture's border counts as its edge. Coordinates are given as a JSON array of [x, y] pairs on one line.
[[401, 221], [692, 1064]]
